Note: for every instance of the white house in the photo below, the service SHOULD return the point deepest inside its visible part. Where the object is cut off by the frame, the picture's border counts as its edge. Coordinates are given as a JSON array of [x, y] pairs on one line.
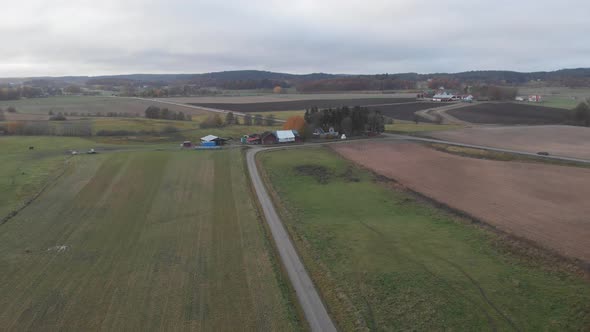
[[444, 96]]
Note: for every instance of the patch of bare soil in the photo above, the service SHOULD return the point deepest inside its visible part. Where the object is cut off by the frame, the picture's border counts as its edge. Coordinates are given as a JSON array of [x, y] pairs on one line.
[[320, 173], [545, 204]]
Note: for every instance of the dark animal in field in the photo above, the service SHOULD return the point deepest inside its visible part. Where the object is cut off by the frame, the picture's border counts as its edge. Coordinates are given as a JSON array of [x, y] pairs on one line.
[[31, 148]]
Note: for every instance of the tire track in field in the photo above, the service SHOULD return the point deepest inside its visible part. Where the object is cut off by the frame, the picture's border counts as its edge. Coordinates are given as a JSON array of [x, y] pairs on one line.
[[491, 321], [481, 291], [28, 202]]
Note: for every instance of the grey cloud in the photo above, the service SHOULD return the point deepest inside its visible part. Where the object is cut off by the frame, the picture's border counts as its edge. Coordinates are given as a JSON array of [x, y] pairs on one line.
[[110, 36]]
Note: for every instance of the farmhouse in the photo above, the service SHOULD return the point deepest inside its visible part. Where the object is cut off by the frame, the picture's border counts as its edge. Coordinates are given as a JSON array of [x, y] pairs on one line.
[[444, 96], [535, 98]]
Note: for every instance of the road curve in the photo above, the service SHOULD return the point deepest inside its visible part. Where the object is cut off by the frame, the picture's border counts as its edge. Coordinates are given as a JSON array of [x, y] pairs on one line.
[[313, 308]]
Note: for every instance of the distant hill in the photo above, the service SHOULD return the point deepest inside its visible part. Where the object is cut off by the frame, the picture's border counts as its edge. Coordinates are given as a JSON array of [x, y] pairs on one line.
[[315, 82]]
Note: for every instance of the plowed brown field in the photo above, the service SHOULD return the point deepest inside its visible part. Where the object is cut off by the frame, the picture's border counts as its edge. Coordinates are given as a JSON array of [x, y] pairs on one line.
[[567, 141], [547, 204]]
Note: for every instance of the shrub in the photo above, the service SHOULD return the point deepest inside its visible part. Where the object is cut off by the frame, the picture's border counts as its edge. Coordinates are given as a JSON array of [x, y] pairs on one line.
[[212, 121], [295, 123]]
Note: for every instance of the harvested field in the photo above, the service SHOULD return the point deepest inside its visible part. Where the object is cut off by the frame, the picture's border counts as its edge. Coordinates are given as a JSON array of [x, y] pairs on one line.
[[266, 98], [302, 104], [566, 141], [87, 104], [510, 113], [136, 241], [406, 111], [543, 203]]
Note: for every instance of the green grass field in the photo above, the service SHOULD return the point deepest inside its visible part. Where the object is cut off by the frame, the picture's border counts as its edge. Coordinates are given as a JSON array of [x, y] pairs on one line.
[[567, 103], [87, 104], [145, 240], [24, 172], [385, 261], [281, 115]]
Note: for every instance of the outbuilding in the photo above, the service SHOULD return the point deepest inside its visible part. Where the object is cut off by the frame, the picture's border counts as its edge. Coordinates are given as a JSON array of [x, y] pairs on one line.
[[285, 136], [213, 138], [269, 138]]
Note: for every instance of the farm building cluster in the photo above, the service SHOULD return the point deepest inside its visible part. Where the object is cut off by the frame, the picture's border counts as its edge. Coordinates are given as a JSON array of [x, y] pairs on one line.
[[445, 96], [207, 142], [530, 99], [273, 137]]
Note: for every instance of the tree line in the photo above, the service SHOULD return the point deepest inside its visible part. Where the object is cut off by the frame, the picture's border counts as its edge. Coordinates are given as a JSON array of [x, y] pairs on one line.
[[355, 84], [351, 121], [154, 112], [216, 121]]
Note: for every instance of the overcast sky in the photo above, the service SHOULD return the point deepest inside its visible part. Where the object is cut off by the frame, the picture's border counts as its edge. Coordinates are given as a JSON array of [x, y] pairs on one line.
[[80, 37]]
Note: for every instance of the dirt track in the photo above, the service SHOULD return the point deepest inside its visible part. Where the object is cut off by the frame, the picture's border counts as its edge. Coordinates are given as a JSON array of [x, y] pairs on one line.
[[567, 141], [544, 203]]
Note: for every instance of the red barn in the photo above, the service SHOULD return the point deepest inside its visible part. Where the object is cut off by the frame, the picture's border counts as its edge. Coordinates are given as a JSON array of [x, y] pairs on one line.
[[269, 138]]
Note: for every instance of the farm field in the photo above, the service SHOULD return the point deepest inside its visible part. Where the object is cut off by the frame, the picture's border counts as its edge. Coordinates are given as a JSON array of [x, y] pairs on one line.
[[406, 111], [560, 97], [301, 104], [269, 97], [139, 124], [24, 172], [83, 104], [561, 102], [282, 115], [567, 141], [534, 201], [406, 128], [510, 114], [384, 260], [146, 240]]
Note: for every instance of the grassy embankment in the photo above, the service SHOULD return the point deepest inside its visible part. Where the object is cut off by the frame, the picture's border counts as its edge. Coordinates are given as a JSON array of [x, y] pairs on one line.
[[408, 128], [385, 260], [502, 156], [144, 240]]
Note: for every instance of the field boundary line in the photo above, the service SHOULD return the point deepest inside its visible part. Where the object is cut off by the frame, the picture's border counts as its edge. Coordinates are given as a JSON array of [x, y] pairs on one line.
[[30, 200], [201, 108]]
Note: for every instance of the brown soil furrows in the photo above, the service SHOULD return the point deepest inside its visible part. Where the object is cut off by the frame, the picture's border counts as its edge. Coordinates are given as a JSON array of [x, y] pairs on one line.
[[546, 204], [566, 141]]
